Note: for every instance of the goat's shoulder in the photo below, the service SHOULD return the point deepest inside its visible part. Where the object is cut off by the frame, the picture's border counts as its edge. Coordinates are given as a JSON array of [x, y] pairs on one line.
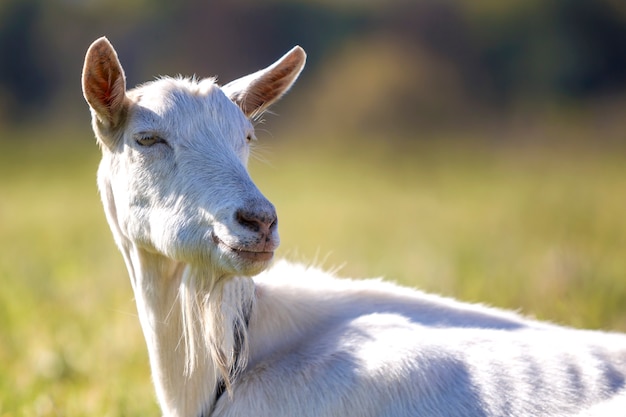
[[298, 308], [300, 290]]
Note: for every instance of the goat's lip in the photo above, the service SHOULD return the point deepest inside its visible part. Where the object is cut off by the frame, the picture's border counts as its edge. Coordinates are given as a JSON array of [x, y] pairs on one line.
[[244, 253]]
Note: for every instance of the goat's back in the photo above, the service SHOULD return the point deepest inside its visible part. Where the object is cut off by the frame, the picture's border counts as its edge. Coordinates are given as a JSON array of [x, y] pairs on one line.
[[322, 346]]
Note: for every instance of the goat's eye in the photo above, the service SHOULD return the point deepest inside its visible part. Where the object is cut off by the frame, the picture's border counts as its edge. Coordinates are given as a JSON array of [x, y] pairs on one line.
[[148, 139]]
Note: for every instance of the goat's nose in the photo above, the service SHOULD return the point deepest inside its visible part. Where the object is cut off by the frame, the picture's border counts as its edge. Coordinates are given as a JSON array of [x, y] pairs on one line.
[[259, 220]]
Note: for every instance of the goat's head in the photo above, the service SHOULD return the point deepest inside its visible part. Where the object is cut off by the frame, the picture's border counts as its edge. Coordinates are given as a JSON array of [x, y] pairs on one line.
[[173, 175]]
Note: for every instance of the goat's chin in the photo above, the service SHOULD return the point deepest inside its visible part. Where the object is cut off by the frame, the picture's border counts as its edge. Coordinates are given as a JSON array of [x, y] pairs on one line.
[[253, 268], [237, 265]]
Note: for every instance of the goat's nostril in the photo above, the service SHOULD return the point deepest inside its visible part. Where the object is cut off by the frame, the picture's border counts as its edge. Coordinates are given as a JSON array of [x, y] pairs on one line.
[[256, 222], [247, 220]]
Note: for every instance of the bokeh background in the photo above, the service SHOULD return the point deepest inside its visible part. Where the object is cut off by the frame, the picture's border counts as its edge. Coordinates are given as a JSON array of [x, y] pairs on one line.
[[476, 149]]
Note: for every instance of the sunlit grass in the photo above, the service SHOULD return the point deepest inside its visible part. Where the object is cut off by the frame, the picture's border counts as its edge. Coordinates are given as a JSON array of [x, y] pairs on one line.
[[70, 343], [536, 228]]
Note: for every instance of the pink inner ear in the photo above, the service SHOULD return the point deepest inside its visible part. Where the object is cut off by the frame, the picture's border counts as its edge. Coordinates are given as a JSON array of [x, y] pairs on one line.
[[103, 90], [271, 87]]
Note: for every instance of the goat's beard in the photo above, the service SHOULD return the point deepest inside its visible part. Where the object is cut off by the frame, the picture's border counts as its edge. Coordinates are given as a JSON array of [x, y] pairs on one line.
[[215, 315]]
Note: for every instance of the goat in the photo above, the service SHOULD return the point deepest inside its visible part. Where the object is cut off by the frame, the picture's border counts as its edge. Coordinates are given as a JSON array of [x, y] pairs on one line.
[[230, 335]]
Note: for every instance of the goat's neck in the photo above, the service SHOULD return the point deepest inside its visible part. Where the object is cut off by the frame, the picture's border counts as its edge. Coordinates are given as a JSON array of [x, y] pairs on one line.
[[194, 323]]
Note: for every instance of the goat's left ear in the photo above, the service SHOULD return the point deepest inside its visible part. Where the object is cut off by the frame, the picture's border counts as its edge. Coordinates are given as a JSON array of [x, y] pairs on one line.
[[104, 83], [254, 93]]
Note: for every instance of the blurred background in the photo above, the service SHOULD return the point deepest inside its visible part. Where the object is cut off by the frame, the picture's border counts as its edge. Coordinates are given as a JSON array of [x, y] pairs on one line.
[[473, 149]]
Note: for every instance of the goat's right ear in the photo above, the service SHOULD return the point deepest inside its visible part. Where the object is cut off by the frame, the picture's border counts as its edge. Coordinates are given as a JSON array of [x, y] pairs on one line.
[[254, 93], [104, 84]]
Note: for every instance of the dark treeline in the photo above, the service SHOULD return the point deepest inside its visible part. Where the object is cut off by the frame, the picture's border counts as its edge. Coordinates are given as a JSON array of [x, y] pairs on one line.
[[434, 57]]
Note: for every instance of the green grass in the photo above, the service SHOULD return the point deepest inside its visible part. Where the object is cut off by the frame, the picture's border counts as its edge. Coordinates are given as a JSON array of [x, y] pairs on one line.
[[536, 228], [70, 343]]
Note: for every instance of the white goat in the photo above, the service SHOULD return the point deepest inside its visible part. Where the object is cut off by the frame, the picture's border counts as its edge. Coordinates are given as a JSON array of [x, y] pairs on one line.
[[294, 341]]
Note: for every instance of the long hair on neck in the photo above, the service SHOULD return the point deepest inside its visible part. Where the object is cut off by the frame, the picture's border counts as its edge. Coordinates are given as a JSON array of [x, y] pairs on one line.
[[215, 316]]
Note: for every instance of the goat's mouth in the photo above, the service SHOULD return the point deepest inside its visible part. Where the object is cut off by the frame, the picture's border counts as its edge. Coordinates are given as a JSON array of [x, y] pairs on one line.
[[249, 254]]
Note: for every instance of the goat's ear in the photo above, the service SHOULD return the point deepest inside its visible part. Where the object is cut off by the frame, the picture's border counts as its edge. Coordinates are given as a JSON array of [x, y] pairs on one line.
[[254, 93], [104, 84]]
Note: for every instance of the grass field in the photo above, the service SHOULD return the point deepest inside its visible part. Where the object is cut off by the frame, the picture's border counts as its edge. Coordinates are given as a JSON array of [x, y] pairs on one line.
[[537, 228]]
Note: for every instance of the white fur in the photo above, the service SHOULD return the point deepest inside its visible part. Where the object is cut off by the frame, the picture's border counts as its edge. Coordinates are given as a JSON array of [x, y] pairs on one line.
[[296, 341]]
